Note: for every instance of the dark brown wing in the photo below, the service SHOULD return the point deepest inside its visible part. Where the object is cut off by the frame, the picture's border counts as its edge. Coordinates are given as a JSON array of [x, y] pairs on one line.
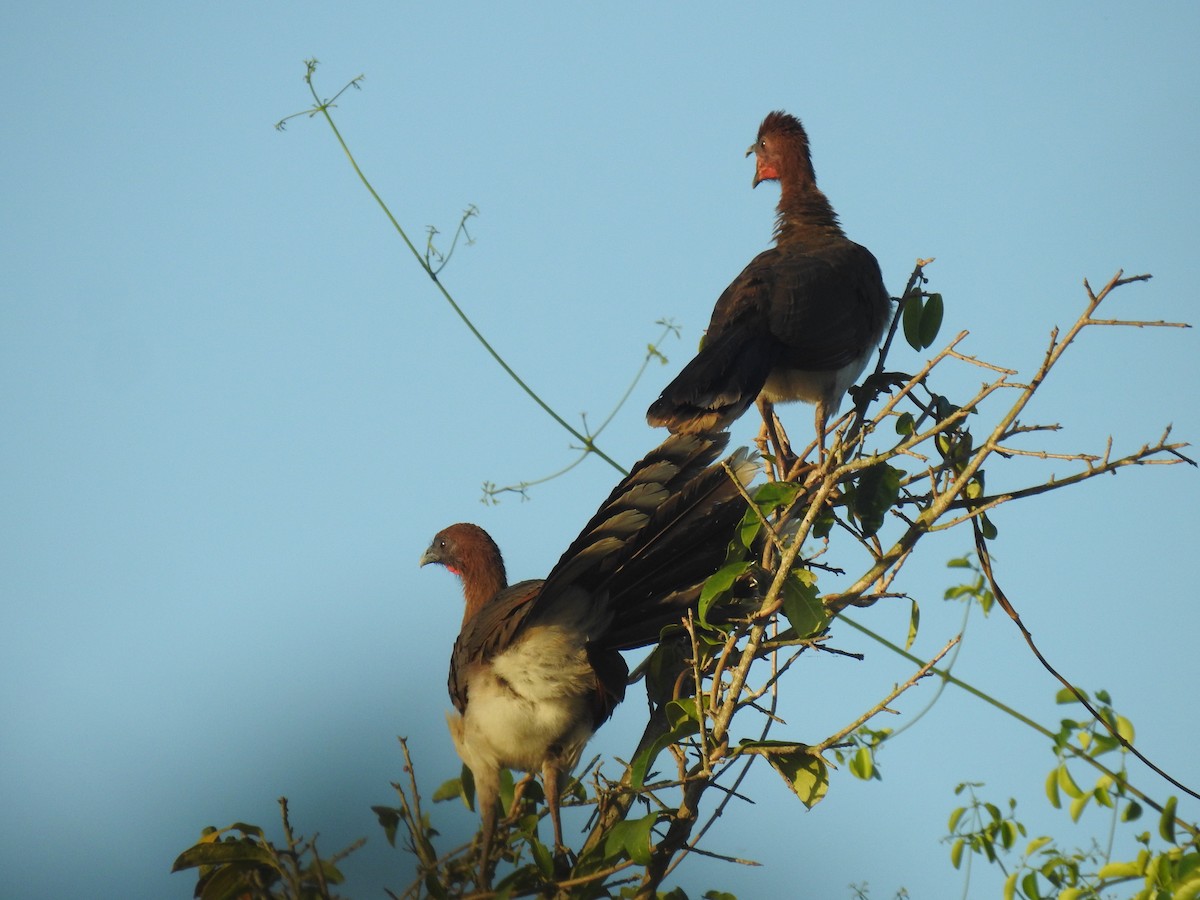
[[493, 627], [823, 304]]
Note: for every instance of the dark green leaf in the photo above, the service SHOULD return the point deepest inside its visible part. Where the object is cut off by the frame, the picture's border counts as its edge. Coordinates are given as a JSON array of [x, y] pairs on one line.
[[542, 858], [987, 528], [876, 492], [913, 308], [931, 320], [1166, 822], [227, 882], [217, 853], [717, 584], [905, 424], [389, 819]]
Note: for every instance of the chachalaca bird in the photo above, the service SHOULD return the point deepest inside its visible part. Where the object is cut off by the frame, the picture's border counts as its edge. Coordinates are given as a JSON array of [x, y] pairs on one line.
[[536, 668], [799, 323]]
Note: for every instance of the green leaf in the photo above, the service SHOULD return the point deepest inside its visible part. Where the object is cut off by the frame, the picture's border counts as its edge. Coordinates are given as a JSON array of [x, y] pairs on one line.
[[1125, 729], [718, 584], [389, 819], [1119, 870], [1166, 822], [956, 852], [801, 606], [1077, 806], [862, 764], [681, 711], [961, 562], [986, 528], [1132, 811], [876, 492], [955, 816], [644, 760], [1065, 695], [227, 883], [1037, 844], [631, 838], [542, 858], [1052, 789], [773, 494], [905, 424], [718, 895], [223, 852], [804, 771], [1067, 783], [914, 622], [911, 321], [1010, 886], [931, 320], [448, 790], [1029, 884]]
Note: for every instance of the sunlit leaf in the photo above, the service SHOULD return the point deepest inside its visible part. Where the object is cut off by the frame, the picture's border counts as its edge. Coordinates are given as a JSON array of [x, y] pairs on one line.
[[1077, 806], [801, 605], [1066, 695], [804, 771], [956, 852], [862, 764], [1166, 822], [1037, 844], [955, 816], [914, 622], [1119, 870], [448, 790], [1067, 783]]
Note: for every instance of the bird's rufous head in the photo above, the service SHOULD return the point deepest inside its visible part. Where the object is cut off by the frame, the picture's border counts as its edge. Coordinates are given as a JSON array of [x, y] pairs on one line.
[[781, 151]]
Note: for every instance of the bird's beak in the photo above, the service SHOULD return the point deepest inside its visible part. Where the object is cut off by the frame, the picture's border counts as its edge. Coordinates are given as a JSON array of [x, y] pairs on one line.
[[749, 150], [430, 556]]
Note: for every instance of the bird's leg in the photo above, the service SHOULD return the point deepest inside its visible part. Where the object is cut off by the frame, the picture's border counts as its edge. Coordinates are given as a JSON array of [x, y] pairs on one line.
[[550, 784], [782, 449], [821, 419], [487, 795], [514, 808]]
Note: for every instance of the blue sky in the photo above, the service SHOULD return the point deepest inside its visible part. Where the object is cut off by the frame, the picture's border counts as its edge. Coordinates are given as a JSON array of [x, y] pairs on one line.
[[235, 411]]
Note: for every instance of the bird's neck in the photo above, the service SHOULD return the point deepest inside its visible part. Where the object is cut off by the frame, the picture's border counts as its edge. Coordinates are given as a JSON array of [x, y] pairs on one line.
[[804, 214], [483, 577]]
